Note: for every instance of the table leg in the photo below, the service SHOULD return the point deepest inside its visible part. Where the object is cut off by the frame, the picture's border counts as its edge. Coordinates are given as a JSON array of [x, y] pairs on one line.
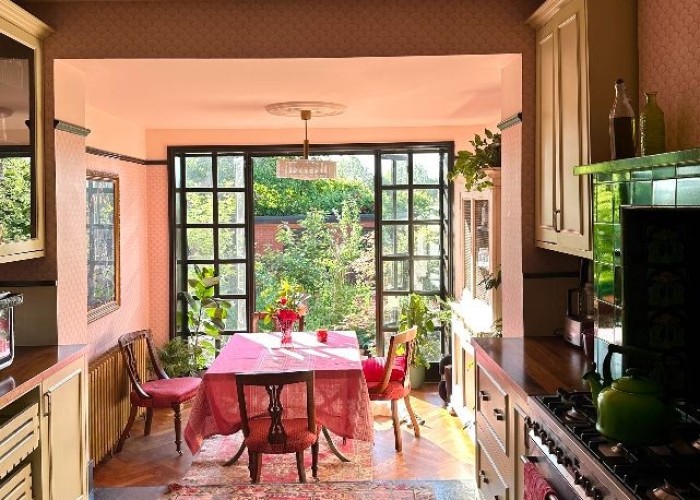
[[238, 454], [335, 450]]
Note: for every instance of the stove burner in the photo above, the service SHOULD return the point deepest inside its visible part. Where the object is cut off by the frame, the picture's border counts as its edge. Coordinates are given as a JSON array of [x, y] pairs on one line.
[[666, 492], [674, 488], [696, 444], [575, 416], [613, 450]]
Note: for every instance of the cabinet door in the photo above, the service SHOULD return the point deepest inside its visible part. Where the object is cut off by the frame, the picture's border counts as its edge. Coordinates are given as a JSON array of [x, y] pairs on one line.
[[520, 438], [573, 215], [546, 148], [65, 433]]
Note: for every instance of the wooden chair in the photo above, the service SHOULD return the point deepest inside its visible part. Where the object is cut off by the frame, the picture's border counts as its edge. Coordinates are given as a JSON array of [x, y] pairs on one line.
[[261, 315], [164, 392], [273, 432], [388, 380]]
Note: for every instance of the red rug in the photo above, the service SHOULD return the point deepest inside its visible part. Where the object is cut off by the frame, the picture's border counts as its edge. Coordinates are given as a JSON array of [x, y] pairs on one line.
[[375, 490], [207, 468]]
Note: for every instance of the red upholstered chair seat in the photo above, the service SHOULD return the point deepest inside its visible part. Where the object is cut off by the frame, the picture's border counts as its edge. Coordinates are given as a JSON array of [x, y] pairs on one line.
[[393, 391], [166, 392], [297, 430], [373, 368]]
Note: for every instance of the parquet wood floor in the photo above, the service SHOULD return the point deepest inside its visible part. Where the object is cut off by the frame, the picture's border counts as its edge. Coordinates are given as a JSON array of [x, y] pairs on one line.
[[444, 451]]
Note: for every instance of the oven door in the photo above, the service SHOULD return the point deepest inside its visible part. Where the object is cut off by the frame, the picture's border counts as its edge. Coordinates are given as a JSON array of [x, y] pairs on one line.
[[554, 474]]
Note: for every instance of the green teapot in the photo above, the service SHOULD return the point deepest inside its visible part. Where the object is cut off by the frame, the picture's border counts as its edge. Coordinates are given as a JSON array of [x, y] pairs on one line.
[[631, 409]]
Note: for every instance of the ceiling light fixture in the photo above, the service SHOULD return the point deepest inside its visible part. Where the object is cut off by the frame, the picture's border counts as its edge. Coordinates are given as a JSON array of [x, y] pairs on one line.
[[305, 168]]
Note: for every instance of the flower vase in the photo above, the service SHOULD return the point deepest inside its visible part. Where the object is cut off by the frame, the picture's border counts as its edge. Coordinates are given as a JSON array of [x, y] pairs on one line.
[[285, 327]]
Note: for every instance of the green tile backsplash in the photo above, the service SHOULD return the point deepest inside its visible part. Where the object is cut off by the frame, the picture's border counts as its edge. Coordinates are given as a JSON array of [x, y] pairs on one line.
[[669, 179]]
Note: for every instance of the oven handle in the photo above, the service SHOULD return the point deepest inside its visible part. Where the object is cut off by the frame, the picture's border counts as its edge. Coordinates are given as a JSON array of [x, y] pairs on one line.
[[529, 458]]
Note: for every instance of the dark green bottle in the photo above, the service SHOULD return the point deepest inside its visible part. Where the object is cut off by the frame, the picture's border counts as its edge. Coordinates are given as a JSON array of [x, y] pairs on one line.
[[651, 127]]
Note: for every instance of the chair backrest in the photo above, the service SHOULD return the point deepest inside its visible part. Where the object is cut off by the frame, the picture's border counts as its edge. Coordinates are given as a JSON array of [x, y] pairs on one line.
[[407, 337], [261, 315], [273, 384], [127, 345]]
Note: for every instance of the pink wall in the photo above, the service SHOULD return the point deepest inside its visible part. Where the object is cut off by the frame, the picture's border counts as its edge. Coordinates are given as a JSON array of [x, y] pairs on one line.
[[669, 63]]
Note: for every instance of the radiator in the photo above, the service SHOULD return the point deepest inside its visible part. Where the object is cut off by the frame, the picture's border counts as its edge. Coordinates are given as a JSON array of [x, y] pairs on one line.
[[109, 399]]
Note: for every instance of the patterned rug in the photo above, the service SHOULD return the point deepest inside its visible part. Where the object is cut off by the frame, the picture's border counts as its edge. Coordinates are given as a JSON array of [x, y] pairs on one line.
[[376, 490], [207, 468]]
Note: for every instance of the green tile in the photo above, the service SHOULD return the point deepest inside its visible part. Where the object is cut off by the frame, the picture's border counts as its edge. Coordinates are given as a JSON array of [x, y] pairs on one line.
[[603, 242], [641, 193], [641, 175], [620, 176], [664, 192], [603, 203], [688, 171], [664, 172], [603, 177], [688, 192], [617, 244], [623, 194]]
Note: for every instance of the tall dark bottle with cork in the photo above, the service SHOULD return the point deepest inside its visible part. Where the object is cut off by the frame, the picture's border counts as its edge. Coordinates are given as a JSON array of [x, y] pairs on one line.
[[623, 142]]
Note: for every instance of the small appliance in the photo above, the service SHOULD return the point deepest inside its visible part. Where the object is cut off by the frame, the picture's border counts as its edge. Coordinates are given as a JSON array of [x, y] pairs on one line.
[[579, 308], [7, 337]]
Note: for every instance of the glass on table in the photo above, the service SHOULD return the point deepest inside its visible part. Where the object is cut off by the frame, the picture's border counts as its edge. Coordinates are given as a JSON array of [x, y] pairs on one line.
[[322, 335]]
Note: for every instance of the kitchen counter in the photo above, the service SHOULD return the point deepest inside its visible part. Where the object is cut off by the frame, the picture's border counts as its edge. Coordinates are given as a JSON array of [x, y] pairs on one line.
[[535, 365], [31, 366]]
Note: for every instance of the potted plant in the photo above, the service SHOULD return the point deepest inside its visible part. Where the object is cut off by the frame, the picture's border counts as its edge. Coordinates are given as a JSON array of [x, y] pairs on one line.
[[204, 320], [415, 310], [472, 165]]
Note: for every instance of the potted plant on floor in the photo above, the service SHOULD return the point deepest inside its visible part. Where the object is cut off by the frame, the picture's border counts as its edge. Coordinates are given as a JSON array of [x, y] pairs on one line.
[[204, 319], [473, 166], [417, 310]]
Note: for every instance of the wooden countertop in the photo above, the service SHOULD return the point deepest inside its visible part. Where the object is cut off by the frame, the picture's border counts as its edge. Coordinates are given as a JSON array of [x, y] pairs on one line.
[[32, 365], [535, 365]]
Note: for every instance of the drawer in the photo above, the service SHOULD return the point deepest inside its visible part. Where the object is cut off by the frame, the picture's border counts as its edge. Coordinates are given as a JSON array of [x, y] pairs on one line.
[[490, 481], [18, 486], [492, 404], [19, 436]]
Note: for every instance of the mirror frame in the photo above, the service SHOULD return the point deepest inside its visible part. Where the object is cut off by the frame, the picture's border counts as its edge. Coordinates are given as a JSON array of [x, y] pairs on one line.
[[114, 304], [26, 29]]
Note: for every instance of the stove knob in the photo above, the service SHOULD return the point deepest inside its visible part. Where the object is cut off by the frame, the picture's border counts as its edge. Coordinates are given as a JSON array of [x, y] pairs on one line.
[[536, 428], [567, 462], [543, 435], [559, 454], [597, 494], [550, 445], [528, 423], [577, 477], [585, 483]]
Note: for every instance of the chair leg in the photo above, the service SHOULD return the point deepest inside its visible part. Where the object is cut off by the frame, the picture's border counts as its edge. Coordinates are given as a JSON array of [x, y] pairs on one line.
[[314, 459], [149, 421], [300, 466], [258, 466], [397, 425], [414, 421], [178, 428], [127, 429]]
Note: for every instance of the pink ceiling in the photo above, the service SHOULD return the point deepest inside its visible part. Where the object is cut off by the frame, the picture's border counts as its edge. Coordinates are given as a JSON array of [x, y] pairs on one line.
[[232, 93]]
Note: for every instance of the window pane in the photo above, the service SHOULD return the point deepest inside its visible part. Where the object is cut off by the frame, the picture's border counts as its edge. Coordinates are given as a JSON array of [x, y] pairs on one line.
[[232, 243], [233, 279], [176, 172], [200, 208], [426, 240], [230, 172], [231, 208], [198, 172], [426, 204], [395, 275], [426, 275], [426, 168], [395, 240], [237, 318], [394, 169], [392, 309], [395, 205], [200, 243]]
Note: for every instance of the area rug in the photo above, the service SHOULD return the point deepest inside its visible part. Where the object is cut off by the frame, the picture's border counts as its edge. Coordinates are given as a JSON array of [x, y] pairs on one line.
[[375, 490], [207, 468]]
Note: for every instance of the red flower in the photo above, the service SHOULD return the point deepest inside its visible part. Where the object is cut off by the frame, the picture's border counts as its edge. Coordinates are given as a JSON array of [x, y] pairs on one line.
[[287, 315], [283, 300]]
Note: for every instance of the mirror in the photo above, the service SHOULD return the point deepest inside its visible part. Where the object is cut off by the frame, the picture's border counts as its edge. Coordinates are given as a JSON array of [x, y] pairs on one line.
[[21, 167], [102, 227]]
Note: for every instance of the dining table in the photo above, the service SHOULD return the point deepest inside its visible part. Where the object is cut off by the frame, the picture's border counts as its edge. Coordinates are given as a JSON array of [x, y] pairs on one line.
[[341, 399]]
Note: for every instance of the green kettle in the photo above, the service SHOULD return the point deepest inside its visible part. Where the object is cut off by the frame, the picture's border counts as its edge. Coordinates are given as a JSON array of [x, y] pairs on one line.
[[631, 409]]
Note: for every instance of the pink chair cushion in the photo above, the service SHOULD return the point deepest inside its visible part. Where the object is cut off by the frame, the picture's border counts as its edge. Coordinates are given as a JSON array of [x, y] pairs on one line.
[[167, 392], [373, 368], [395, 390], [298, 436]]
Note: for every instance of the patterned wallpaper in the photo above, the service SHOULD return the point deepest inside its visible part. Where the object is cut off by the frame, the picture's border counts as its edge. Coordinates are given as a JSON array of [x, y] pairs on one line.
[[669, 63]]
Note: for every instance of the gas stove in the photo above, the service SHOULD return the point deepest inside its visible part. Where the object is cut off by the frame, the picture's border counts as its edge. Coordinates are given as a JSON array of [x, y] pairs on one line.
[[562, 430]]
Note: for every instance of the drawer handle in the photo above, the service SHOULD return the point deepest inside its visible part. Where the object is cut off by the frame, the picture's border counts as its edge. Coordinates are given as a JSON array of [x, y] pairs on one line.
[[484, 395], [498, 414], [482, 475]]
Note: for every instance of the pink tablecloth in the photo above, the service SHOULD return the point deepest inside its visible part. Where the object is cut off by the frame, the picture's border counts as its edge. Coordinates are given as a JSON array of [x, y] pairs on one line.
[[341, 398]]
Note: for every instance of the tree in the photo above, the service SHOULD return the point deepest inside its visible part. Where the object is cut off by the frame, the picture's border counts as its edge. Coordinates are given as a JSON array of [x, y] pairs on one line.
[[15, 198]]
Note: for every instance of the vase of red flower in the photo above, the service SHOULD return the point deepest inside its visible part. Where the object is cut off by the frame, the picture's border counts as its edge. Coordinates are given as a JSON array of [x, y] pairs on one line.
[[287, 309], [284, 321]]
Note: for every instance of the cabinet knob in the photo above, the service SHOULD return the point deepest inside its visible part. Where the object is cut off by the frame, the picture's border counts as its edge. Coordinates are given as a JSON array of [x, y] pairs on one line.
[[484, 395], [482, 475], [555, 220], [498, 414]]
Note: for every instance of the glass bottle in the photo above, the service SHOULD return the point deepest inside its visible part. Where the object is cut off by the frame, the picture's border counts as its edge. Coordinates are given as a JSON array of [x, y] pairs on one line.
[[622, 126], [652, 131]]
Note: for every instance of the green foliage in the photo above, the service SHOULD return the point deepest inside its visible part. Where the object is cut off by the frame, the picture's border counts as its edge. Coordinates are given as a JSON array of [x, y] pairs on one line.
[[427, 314], [275, 196], [178, 358], [471, 165], [204, 318], [15, 198], [333, 262]]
